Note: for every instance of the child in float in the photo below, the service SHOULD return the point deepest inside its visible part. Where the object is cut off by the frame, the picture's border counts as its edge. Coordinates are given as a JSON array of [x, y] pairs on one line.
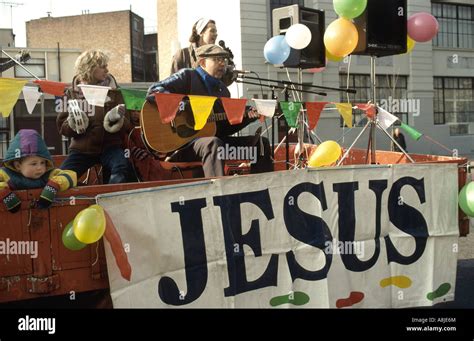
[[27, 165]]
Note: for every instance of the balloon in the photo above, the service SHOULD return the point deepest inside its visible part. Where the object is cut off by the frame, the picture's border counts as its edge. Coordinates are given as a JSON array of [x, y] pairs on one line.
[[89, 224], [276, 50], [350, 9], [326, 154], [466, 199], [410, 44], [341, 37], [298, 36], [69, 239], [333, 58], [422, 27]]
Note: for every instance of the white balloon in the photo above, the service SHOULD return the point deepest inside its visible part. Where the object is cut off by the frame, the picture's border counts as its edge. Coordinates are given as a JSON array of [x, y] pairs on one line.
[[298, 36]]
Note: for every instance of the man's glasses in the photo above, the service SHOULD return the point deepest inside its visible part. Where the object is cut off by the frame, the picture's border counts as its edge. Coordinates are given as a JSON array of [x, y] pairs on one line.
[[220, 60]]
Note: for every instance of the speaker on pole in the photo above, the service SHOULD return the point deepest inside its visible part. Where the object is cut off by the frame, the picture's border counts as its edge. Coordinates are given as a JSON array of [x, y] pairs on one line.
[[382, 28], [312, 56]]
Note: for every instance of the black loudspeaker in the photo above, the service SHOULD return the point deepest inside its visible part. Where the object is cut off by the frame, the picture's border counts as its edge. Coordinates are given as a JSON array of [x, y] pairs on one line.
[[312, 56], [382, 28]]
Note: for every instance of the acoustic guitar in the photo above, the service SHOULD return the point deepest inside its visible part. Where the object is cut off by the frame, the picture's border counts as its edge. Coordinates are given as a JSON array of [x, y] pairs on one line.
[[166, 138]]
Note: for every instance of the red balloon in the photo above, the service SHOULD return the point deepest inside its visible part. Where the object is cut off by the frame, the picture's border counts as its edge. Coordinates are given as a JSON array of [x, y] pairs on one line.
[[422, 27]]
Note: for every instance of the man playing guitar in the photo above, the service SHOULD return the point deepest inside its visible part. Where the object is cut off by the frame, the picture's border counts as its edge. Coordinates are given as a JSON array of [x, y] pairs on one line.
[[205, 80]]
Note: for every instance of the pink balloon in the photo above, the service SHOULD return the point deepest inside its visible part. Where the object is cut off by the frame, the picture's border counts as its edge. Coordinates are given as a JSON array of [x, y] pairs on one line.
[[422, 27]]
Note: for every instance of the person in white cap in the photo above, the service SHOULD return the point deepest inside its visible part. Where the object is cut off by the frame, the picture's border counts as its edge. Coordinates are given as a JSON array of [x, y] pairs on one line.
[[204, 32]]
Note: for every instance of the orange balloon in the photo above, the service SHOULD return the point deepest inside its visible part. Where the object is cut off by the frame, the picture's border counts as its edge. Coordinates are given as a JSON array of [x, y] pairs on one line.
[[332, 58], [341, 37]]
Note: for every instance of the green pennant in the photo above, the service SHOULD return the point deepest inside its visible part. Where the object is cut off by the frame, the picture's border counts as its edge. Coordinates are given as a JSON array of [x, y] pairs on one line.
[[291, 110], [412, 132], [134, 99]]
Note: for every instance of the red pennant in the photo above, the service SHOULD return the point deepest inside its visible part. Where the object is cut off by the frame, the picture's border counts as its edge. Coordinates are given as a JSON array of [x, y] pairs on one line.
[[368, 108], [314, 112], [50, 87], [234, 109], [168, 105]]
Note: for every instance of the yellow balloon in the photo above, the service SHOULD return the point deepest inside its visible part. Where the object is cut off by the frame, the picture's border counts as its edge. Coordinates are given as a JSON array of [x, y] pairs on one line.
[[333, 58], [326, 154], [410, 44], [341, 37], [89, 224]]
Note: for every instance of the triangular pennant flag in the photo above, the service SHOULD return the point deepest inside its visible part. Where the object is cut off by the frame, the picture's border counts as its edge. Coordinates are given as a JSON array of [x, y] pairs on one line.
[[95, 94], [368, 108], [386, 119], [31, 96], [345, 109], [202, 107], [291, 111], [266, 107], [10, 90], [50, 87], [412, 132], [168, 105], [133, 99], [314, 110], [234, 109]]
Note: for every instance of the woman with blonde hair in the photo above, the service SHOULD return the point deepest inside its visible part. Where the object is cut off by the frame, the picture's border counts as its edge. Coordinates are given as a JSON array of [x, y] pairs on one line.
[[96, 132]]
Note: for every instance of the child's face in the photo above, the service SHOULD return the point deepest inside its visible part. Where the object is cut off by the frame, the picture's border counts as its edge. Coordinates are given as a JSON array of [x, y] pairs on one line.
[[32, 167]]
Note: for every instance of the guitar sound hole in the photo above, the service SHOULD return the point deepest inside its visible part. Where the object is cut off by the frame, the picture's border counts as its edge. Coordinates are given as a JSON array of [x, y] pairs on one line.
[[184, 131]]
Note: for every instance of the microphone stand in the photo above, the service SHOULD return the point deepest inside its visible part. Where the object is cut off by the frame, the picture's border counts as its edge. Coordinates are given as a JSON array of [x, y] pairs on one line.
[[286, 83], [286, 86]]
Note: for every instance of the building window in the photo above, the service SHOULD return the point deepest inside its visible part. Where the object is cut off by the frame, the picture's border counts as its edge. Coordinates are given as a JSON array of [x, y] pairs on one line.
[[391, 95], [35, 65], [136, 25], [456, 25], [453, 104]]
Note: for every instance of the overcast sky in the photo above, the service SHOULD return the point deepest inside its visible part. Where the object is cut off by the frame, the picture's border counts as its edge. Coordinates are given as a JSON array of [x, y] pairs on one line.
[[35, 9]]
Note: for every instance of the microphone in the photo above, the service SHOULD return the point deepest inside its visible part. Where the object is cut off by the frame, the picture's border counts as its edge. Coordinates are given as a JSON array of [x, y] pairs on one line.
[[222, 44], [243, 72]]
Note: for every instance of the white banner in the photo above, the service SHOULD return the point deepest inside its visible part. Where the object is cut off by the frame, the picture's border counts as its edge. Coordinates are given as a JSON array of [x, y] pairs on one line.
[[361, 237], [266, 107], [95, 95], [386, 119], [31, 96]]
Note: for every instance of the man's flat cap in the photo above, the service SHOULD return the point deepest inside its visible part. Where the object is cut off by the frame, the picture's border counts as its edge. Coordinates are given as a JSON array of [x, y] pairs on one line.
[[211, 50]]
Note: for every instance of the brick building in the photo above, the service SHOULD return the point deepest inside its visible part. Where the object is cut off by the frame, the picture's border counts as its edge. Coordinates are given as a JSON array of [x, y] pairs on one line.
[[119, 34]]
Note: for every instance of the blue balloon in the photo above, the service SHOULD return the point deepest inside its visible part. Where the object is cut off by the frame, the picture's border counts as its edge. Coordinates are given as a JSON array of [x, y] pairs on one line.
[[276, 50]]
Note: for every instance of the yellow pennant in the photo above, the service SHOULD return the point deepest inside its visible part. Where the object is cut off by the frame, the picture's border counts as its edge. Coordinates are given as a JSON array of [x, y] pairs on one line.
[[202, 107], [345, 109], [9, 91]]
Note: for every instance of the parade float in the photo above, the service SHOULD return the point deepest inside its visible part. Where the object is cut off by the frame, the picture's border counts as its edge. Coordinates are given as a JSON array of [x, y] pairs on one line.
[[331, 227]]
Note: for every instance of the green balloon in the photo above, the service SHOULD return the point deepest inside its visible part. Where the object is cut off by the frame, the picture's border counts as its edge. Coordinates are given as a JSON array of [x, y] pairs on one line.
[[466, 199], [69, 239], [350, 9]]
